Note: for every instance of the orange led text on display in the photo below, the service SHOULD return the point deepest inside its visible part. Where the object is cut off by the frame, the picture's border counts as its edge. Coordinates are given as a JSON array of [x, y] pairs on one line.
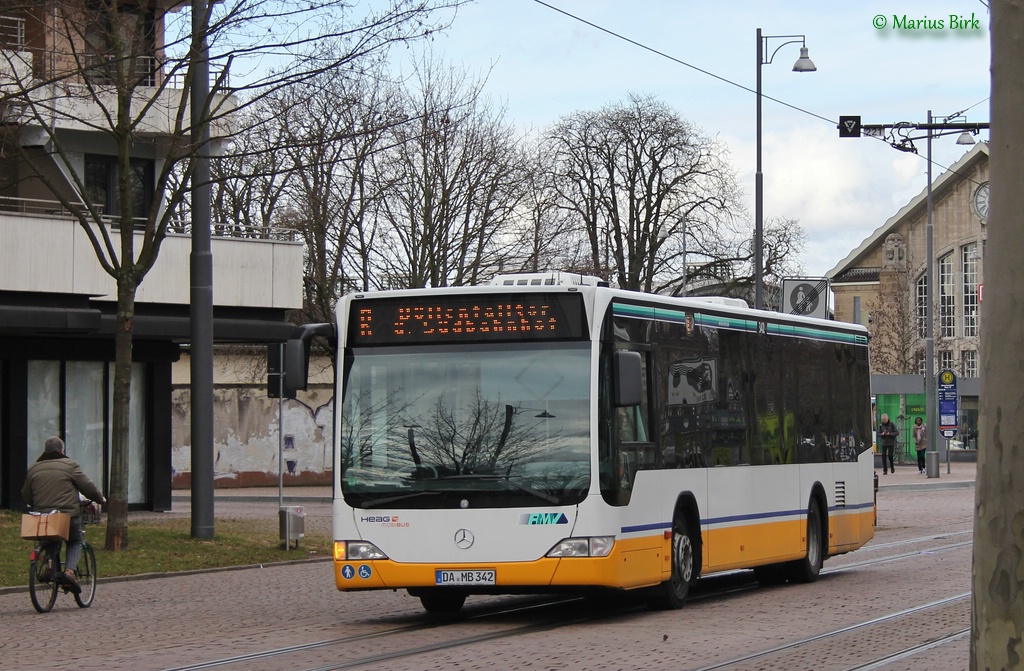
[[463, 320]]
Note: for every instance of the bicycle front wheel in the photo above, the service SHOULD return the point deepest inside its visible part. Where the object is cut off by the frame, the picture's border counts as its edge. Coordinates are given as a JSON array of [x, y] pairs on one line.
[[42, 582], [86, 574]]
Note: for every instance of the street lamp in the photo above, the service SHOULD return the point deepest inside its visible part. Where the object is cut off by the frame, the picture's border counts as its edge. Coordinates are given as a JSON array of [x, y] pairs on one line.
[[803, 64]]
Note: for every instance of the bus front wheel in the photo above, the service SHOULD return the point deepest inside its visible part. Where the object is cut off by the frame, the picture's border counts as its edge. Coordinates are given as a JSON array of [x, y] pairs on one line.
[[442, 600], [671, 594]]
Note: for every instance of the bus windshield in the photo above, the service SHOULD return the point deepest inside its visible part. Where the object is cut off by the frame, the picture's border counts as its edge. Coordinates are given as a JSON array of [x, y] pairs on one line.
[[463, 425]]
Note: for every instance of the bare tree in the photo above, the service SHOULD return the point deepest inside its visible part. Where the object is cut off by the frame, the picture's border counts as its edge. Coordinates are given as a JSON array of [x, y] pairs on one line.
[[454, 180], [547, 233], [251, 175], [895, 340], [637, 178], [332, 126], [124, 73]]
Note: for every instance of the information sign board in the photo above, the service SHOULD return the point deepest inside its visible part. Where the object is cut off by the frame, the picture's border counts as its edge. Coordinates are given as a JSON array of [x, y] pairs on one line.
[[949, 414]]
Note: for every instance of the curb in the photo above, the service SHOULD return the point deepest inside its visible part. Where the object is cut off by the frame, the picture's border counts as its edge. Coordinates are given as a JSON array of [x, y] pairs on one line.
[[173, 574], [928, 486]]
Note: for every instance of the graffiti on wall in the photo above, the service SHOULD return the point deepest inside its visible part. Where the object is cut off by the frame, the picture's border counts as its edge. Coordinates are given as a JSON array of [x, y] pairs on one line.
[[247, 439]]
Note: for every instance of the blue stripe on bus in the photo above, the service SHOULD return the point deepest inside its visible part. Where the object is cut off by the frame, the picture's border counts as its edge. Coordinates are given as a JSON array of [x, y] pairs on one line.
[[646, 527], [857, 506], [738, 518], [754, 516]]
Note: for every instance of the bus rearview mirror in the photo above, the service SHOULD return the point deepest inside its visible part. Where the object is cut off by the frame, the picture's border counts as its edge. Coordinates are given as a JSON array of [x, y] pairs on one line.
[[628, 379]]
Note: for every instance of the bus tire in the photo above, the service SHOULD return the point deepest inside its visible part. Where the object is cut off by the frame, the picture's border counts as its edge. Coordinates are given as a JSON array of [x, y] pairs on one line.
[[442, 601], [671, 594], [807, 569]]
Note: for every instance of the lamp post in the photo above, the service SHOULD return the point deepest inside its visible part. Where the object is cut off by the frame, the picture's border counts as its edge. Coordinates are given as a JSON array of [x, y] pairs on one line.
[[803, 64], [905, 142]]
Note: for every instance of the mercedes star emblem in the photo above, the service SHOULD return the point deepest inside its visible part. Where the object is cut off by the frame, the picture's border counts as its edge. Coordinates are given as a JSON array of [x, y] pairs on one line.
[[464, 539]]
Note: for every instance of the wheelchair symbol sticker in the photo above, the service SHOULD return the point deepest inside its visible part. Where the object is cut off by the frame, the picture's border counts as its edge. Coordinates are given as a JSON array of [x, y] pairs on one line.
[[365, 572]]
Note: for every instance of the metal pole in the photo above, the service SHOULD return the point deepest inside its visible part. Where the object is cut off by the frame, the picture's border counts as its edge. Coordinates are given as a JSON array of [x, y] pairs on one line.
[[201, 278], [282, 514], [758, 193], [280, 432], [929, 338]]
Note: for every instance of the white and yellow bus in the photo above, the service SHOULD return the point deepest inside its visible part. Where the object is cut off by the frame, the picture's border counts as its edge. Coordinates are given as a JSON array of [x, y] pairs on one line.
[[549, 434]]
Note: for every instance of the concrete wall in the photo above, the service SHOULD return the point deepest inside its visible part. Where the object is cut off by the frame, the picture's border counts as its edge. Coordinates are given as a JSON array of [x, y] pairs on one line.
[[246, 437], [54, 255], [245, 424]]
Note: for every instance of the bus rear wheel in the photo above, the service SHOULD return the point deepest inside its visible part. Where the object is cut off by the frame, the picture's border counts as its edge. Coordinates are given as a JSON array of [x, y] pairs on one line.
[[807, 569], [671, 594]]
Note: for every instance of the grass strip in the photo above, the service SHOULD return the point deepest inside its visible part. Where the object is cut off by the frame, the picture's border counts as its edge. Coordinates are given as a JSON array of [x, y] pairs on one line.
[[165, 546]]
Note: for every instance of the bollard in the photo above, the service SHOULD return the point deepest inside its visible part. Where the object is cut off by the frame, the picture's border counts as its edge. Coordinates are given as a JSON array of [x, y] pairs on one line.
[[876, 499], [931, 460]]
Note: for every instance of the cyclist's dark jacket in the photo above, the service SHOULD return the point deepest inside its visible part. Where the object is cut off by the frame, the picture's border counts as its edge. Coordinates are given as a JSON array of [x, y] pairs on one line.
[[53, 483]]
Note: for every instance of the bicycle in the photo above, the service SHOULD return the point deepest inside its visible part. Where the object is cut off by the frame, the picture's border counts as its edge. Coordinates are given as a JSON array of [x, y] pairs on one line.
[[46, 577]]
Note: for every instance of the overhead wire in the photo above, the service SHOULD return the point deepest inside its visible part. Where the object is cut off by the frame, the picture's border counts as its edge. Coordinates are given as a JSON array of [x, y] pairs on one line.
[[720, 78]]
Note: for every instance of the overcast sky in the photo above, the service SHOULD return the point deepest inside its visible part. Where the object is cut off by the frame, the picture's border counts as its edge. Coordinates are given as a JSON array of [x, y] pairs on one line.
[[543, 64]]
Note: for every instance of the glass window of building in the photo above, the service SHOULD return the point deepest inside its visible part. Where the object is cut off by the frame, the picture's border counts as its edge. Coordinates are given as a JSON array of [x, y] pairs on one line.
[[74, 399], [947, 297], [922, 307], [946, 360], [969, 271], [969, 358]]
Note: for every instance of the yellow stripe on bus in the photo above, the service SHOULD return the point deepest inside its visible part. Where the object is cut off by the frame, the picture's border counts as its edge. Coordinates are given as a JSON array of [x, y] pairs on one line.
[[634, 562]]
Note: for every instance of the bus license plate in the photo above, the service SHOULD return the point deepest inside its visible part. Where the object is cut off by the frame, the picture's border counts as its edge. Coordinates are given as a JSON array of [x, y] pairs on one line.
[[465, 577]]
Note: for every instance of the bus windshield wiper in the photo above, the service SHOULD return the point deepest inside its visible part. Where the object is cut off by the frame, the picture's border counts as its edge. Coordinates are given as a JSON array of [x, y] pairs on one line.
[[494, 477], [400, 497]]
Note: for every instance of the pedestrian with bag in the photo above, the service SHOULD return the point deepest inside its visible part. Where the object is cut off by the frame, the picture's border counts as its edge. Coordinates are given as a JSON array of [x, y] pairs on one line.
[[920, 443]]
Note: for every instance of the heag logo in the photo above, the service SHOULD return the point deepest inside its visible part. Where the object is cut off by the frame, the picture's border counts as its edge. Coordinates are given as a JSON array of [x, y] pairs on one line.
[[384, 520]]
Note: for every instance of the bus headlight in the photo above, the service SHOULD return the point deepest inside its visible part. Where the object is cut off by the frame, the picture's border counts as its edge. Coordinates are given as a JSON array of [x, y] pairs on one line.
[[596, 546], [356, 550]]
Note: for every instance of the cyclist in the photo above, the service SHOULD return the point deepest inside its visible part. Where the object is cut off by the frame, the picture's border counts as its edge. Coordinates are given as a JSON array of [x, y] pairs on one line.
[[54, 483]]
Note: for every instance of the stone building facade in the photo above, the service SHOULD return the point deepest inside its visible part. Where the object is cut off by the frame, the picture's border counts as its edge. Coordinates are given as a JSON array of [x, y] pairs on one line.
[[882, 283]]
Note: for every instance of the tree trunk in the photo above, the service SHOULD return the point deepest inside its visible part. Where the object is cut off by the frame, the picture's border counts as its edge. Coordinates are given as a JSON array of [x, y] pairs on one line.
[[998, 607], [117, 499]]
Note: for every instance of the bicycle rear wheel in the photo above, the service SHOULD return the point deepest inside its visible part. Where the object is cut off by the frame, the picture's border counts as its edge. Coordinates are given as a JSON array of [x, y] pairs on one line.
[[42, 578], [86, 574]]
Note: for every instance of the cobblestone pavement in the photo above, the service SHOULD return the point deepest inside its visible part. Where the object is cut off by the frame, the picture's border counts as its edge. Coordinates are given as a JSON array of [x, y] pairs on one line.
[[165, 623]]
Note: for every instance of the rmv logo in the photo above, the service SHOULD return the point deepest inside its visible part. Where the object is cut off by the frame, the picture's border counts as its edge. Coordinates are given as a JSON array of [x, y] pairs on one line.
[[533, 519]]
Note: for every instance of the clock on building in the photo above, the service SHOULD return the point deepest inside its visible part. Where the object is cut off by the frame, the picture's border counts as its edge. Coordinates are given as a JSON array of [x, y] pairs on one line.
[[981, 200]]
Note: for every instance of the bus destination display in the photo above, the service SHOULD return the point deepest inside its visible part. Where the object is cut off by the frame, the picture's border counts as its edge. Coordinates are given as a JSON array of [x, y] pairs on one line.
[[466, 318]]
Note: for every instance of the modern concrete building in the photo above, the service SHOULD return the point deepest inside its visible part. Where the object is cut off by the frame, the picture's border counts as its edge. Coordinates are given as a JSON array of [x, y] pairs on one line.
[[881, 284], [57, 305]]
